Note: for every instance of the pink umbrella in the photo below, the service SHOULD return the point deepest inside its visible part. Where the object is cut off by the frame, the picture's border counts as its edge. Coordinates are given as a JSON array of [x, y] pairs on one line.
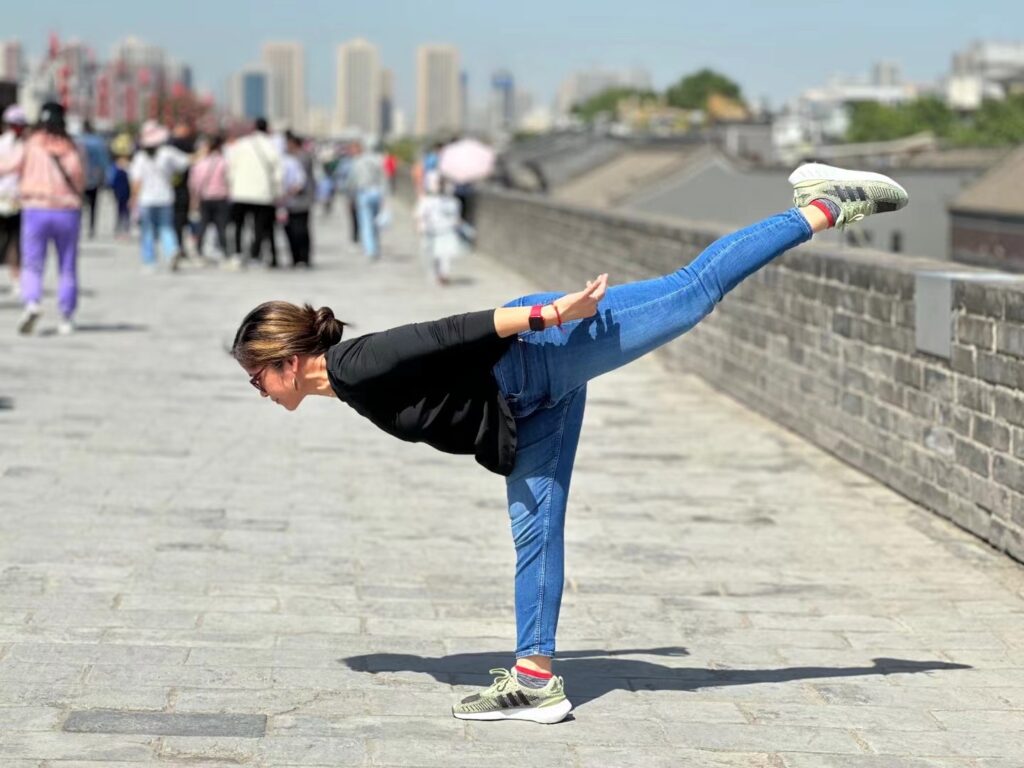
[[466, 161]]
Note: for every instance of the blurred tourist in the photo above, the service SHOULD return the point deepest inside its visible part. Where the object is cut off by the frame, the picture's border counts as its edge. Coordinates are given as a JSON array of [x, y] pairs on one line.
[[299, 196], [343, 175], [390, 170], [255, 175], [438, 219], [183, 138], [152, 175], [208, 187], [50, 188], [13, 125], [367, 182], [119, 183], [97, 160]]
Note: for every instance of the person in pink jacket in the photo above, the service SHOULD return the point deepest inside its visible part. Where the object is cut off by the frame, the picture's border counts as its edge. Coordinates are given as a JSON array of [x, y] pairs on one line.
[[50, 189]]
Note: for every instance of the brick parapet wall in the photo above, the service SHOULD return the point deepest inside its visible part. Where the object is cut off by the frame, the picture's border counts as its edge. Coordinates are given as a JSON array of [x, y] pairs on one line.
[[824, 343]]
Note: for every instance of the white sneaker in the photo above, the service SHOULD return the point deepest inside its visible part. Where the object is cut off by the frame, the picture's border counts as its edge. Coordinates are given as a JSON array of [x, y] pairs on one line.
[[66, 327], [149, 269], [857, 194], [28, 319]]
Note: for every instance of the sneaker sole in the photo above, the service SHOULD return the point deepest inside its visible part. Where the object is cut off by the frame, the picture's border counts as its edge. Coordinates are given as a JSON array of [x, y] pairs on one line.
[[28, 324], [544, 715], [813, 173]]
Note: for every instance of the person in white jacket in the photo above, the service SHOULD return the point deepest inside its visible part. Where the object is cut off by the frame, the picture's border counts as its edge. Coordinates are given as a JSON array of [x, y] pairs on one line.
[[438, 217], [255, 178]]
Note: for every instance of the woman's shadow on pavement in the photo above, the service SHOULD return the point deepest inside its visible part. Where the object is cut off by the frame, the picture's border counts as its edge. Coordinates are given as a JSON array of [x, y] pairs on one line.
[[592, 674]]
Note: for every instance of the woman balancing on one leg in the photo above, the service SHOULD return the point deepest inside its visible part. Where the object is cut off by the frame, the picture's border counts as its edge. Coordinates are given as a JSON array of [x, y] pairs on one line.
[[508, 385]]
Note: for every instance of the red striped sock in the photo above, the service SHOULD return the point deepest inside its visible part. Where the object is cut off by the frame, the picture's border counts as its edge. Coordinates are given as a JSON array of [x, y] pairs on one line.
[[533, 673], [828, 208]]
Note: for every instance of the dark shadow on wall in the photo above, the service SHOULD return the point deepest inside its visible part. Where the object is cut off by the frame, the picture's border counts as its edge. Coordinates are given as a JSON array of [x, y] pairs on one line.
[[591, 674]]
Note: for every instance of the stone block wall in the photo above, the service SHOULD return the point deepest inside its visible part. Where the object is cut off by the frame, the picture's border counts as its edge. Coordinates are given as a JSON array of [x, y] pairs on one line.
[[824, 343]]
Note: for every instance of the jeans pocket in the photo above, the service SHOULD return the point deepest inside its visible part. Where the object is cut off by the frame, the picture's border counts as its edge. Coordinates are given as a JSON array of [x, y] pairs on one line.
[[510, 372]]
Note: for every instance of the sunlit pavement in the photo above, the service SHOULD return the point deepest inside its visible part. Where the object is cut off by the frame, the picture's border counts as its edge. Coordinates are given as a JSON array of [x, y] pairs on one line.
[[190, 575]]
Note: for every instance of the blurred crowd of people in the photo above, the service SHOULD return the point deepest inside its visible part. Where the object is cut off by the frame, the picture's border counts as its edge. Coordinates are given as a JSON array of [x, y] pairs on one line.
[[177, 189]]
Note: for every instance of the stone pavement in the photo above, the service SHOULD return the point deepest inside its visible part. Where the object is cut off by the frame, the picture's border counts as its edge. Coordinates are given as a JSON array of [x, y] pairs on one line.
[[192, 576]]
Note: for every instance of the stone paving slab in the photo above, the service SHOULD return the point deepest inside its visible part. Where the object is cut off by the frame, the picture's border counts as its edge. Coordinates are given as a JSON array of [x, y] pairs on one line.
[[176, 555]]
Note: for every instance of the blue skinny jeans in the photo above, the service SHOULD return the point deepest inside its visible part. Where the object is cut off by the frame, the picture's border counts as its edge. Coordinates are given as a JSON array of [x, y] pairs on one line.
[[544, 375]]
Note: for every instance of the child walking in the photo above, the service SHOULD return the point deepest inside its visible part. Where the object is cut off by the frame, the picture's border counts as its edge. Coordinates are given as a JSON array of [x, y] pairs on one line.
[[438, 219]]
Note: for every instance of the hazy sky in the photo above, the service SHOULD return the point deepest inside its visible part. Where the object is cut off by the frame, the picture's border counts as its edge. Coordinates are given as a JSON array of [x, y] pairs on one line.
[[773, 49]]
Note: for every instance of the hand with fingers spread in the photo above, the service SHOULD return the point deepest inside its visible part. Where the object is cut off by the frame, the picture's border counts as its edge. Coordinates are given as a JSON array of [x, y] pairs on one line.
[[582, 304]]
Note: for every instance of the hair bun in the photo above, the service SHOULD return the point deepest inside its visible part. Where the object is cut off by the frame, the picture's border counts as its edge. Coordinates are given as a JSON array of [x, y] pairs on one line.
[[328, 329]]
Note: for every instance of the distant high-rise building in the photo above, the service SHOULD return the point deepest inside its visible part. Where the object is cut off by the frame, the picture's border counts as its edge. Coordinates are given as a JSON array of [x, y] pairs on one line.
[[359, 84], [984, 70], [885, 73], [580, 86], [463, 98], [387, 102], [133, 80], [250, 92], [318, 122], [502, 102], [286, 82], [438, 90], [12, 61]]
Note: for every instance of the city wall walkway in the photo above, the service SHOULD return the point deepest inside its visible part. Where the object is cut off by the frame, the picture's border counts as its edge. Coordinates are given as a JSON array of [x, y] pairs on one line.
[[192, 576]]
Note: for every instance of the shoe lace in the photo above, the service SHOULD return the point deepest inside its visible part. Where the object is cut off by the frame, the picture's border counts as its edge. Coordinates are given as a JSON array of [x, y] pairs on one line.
[[503, 680], [852, 212]]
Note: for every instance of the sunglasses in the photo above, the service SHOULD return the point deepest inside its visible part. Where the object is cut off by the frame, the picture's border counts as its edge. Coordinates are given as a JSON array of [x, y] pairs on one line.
[[257, 382]]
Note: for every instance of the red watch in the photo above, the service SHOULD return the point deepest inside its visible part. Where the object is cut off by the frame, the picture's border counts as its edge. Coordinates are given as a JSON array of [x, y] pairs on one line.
[[536, 318]]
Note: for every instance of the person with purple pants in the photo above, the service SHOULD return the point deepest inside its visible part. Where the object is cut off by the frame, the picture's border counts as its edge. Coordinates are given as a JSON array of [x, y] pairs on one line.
[[52, 180]]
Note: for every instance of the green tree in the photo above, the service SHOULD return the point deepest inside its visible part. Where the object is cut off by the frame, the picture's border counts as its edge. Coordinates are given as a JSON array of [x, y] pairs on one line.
[[692, 91], [605, 102], [871, 121], [995, 123]]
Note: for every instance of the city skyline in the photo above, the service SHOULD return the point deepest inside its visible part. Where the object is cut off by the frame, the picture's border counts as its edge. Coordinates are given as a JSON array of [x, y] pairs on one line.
[[542, 44]]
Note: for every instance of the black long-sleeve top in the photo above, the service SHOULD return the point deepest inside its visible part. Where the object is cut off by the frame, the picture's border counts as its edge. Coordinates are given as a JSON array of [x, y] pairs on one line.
[[432, 383]]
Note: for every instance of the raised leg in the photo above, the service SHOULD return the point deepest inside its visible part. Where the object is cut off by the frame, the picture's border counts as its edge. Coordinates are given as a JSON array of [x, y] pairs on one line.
[[636, 318]]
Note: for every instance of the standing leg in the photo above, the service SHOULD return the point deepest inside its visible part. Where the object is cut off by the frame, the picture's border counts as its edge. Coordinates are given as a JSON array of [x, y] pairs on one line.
[[179, 217], [238, 220], [353, 214], [263, 222], [34, 233], [538, 490], [271, 224], [290, 228], [148, 225], [168, 238], [123, 225], [205, 219], [221, 214], [91, 196], [636, 318], [10, 244], [369, 202], [307, 243], [302, 235], [66, 229]]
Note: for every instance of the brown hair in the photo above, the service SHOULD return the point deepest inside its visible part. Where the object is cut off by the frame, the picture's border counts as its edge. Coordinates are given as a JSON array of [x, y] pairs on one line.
[[276, 330]]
